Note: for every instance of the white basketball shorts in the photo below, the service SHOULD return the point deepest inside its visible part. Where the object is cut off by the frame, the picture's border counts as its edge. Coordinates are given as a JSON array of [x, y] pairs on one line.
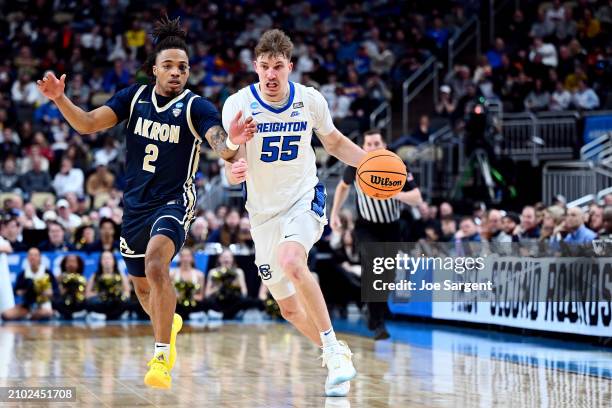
[[302, 223]]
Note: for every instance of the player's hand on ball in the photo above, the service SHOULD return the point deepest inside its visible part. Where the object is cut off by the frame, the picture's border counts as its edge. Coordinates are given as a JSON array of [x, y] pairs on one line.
[[52, 87], [241, 131], [239, 170]]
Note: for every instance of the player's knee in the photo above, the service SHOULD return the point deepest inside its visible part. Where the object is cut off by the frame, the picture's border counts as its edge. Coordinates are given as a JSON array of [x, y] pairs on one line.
[[294, 268], [293, 314], [156, 271], [141, 291]]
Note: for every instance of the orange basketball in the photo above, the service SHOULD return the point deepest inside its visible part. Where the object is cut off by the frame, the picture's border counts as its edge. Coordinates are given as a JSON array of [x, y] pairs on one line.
[[381, 174]]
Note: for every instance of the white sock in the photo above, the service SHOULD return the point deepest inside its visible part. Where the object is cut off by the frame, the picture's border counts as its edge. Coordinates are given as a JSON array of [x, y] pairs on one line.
[[162, 348], [328, 338]]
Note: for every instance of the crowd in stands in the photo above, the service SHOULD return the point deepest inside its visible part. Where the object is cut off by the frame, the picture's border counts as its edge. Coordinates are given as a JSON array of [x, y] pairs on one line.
[[61, 191], [560, 59]]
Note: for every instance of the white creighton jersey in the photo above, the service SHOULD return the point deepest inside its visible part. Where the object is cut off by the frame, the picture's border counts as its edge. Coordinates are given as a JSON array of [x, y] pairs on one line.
[[281, 161]]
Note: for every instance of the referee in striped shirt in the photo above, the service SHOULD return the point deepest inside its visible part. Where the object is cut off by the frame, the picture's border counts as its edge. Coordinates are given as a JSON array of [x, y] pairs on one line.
[[377, 220]]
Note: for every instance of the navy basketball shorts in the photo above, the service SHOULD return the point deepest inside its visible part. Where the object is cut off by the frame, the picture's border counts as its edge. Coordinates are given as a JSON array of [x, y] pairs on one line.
[[170, 220]]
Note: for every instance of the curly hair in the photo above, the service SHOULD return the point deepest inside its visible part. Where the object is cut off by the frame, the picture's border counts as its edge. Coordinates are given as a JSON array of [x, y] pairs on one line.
[[168, 34]]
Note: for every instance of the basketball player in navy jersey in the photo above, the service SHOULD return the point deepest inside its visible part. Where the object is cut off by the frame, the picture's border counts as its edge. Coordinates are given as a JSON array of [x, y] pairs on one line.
[[165, 125]]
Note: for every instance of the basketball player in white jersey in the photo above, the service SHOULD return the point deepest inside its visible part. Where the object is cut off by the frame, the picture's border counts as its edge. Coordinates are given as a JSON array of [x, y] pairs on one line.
[[285, 201]]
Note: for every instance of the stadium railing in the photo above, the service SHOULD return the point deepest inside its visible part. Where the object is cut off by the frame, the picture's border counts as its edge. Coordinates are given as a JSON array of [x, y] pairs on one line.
[[381, 118], [469, 32], [426, 74]]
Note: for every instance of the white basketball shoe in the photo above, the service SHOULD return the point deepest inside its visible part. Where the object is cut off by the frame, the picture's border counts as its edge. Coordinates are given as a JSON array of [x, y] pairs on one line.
[[340, 390], [339, 364]]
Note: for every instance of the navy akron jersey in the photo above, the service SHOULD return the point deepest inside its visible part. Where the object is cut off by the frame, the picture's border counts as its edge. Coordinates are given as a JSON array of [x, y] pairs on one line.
[[163, 138]]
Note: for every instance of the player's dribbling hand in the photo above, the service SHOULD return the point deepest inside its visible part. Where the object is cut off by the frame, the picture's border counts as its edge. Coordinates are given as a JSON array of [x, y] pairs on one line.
[[52, 87], [242, 131], [239, 170]]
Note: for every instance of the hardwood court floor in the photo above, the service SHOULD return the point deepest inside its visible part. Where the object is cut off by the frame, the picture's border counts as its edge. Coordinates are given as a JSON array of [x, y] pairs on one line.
[[270, 365]]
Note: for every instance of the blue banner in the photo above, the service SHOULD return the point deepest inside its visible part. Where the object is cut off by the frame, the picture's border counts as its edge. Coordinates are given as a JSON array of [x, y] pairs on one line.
[[53, 260], [595, 126]]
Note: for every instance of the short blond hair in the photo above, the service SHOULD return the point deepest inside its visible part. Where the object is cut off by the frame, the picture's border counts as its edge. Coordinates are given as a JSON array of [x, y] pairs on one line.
[[274, 42]]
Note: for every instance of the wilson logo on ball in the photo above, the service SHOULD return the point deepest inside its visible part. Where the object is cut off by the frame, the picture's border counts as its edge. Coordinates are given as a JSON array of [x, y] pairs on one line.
[[385, 182]]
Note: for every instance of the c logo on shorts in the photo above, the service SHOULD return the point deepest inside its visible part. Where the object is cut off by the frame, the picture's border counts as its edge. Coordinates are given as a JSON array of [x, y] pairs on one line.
[[264, 272]]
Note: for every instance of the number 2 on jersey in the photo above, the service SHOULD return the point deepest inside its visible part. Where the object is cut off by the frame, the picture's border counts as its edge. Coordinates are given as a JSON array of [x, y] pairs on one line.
[[152, 151], [270, 151]]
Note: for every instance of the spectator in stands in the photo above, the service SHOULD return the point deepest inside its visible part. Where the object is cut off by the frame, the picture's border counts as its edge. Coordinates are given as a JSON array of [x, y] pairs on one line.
[[9, 143], [467, 234], [84, 237], [445, 106], [36, 180], [37, 286], [560, 99], [543, 27], [494, 56], [595, 222], [24, 91], [108, 240], [107, 289], [71, 287], [577, 232], [228, 233], [68, 179], [510, 223], [244, 233], [66, 217], [585, 98], [196, 237], [448, 228], [538, 99], [108, 152], [9, 179], [340, 104], [101, 181], [495, 227], [588, 26], [11, 231], [607, 200], [566, 28], [546, 50], [57, 240], [420, 135], [189, 283], [528, 229], [116, 78], [226, 289], [29, 219], [551, 224], [555, 13], [606, 232]]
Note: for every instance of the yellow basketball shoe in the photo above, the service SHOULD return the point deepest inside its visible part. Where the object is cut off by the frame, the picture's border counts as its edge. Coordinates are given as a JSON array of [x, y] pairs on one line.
[[177, 324], [158, 375]]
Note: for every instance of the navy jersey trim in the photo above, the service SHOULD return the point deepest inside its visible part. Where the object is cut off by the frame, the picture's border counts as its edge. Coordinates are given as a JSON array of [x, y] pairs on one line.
[[134, 99], [169, 104], [318, 202], [271, 108]]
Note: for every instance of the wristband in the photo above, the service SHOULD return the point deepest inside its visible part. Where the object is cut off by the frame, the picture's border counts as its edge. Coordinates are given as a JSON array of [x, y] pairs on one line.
[[231, 145]]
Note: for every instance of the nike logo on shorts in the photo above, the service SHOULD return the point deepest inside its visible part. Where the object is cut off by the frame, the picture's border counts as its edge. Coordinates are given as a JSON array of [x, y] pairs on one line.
[[287, 236]]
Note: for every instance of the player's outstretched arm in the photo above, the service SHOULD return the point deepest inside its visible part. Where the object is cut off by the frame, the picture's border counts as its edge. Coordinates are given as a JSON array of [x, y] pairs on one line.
[[83, 122], [342, 148], [240, 132]]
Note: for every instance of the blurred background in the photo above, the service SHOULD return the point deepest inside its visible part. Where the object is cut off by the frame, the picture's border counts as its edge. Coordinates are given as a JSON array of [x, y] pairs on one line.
[[501, 109]]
